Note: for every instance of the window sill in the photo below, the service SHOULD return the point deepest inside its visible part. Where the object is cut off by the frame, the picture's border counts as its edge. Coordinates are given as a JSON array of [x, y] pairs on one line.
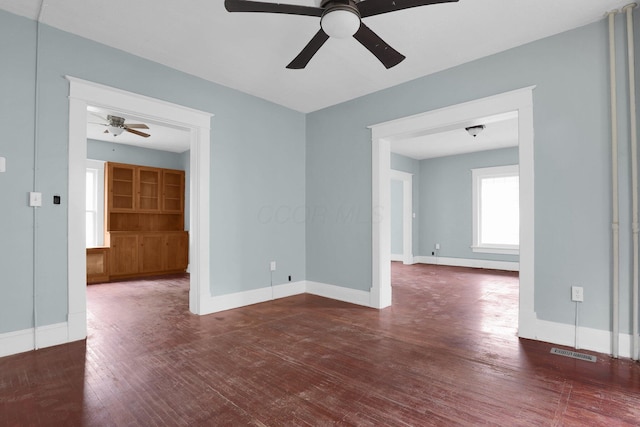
[[492, 250]]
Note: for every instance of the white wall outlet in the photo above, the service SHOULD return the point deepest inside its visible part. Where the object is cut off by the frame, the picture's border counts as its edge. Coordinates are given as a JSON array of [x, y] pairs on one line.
[[35, 199], [437, 246], [577, 293], [3, 164], [273, 266]]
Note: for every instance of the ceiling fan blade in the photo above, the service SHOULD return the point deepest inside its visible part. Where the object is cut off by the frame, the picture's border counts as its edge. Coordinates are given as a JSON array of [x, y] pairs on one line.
[[136, 126], [377, 7], [258, 6], [385, 53], [98, 116], [137, 132], [309, 50]]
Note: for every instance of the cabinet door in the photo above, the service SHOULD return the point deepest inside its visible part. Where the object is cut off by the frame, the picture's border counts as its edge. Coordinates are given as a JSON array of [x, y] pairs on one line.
[[148, 197], [121, 182], [172, 191], [177, 251], [124, 254], [152, 252]]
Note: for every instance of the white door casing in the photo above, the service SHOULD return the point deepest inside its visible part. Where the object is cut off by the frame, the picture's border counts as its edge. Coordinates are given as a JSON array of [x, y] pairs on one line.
[[83, 93], [382, 134]]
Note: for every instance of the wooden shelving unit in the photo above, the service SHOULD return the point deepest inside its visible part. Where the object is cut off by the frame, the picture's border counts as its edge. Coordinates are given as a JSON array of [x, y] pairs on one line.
[[144, 220]]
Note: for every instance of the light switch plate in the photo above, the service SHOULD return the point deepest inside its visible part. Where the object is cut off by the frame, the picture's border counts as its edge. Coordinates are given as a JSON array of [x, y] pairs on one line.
[[35, 199]]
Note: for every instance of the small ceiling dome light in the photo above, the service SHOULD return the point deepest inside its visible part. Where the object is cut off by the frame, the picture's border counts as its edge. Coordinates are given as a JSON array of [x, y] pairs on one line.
[[340, 21], [474, 130]]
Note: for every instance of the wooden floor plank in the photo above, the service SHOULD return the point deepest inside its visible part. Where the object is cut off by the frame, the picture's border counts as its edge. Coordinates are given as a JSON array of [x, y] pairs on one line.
[[446, 353]]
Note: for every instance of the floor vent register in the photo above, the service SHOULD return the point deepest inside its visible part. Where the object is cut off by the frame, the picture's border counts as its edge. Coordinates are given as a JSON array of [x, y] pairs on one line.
[[573, 354]]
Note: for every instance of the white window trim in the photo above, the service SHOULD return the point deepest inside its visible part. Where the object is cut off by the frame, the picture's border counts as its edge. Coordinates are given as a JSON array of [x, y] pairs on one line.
[[99, 166], [476, 178]]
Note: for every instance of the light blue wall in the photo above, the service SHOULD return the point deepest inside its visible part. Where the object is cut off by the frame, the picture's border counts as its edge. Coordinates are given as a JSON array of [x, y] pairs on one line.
[[122, 153], [412, 166], [397, 200], [572, 167], [17, 44], [445, 202], [257, 162]]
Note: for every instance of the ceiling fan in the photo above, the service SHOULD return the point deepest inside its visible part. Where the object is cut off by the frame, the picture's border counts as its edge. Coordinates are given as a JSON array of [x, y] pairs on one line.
[[338, 19], [116, 125]]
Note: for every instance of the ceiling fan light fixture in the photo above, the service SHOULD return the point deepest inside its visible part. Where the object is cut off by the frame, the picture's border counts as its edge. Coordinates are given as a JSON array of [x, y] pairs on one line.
[[114, 130], [340, 22], [475, 130]]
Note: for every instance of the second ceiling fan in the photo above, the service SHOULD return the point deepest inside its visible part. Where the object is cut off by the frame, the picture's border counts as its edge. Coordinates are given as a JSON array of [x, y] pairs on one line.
[[339, 19]]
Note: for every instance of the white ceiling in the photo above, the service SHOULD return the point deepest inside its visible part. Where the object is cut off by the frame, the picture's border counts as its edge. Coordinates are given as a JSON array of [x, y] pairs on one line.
[[501, 131], [249, 51], [163, 136]]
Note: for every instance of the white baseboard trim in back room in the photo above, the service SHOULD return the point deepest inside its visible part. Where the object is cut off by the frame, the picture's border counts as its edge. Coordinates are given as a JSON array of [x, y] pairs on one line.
[[473, 263], [397, 257]]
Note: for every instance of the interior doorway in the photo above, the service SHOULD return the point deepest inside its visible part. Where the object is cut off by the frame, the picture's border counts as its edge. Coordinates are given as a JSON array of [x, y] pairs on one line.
[[83, 94], [402, 250], [520, 101]]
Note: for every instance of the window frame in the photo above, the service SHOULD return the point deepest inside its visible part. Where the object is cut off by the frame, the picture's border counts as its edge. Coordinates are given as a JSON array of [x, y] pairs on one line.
[[97, 165], [477, 175]]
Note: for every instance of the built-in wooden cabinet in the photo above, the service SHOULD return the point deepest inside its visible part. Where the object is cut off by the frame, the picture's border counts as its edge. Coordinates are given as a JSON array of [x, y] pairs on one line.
[[124, 254], [144, 253], [144, 220], [149, 191], [97, 265], [121, 193], [172, 191]]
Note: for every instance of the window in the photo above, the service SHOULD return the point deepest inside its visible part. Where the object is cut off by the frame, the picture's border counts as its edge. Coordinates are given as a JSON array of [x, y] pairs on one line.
[[496, 210], [94, 203]]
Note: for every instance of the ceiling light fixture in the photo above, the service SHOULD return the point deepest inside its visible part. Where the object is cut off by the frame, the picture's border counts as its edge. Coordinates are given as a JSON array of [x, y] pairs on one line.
[[115, 130], [475, 130], [340, 21]]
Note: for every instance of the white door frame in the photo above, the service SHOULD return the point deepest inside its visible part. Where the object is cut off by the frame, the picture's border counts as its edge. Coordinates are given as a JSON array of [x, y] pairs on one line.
[[407, 213], [382, 134], [83, 93]]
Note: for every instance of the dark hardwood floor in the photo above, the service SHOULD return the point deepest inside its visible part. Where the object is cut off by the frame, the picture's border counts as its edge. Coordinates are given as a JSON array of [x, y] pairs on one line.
[[446, 354]]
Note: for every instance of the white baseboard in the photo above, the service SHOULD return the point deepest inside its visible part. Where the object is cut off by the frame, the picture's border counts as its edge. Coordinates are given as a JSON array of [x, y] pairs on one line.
[[21, 341], [588, 338], [353, 296], [397, 257], [255, 296], [473, 263]]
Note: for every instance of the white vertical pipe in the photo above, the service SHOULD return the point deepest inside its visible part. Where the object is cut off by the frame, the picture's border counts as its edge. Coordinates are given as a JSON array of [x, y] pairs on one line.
[[36, 138], [634, 175], [614, 176]]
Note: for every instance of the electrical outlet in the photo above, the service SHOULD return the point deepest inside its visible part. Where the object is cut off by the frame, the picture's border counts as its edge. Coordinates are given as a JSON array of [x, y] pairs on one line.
[[577, 293], [273, 266], [437, 246]]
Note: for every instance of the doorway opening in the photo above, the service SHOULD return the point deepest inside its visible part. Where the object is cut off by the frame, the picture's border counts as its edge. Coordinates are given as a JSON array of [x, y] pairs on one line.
[[84, 94], [383, 134]]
